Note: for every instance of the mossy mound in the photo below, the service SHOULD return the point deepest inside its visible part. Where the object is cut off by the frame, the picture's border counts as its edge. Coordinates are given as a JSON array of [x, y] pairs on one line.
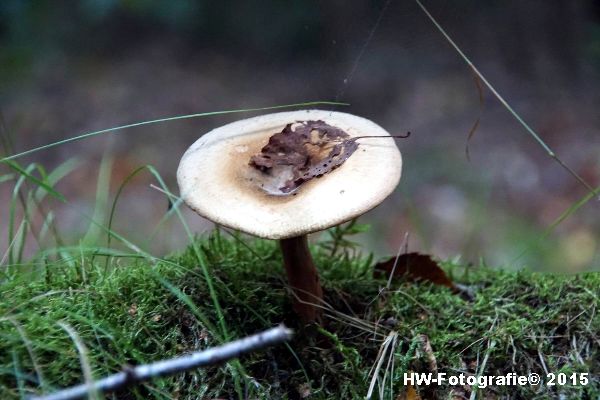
[[128, 311]]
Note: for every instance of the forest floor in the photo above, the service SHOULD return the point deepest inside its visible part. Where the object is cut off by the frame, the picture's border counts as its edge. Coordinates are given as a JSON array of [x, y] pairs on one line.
[[128, 311]]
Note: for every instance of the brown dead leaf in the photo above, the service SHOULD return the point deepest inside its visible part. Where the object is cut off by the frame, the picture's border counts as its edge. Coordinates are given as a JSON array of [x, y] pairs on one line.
[[284, 148], [409, 394], [310, 148], [415, 267]]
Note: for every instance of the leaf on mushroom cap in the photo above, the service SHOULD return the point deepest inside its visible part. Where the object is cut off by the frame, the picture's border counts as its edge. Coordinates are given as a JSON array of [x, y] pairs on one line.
[[291, 147]]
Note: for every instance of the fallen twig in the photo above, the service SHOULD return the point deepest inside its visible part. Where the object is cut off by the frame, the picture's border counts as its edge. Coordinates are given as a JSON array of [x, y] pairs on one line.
[[211, 356]]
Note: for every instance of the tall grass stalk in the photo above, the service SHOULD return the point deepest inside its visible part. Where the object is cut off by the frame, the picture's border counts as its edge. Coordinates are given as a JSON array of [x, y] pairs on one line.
[[504, 103], [167, 119]]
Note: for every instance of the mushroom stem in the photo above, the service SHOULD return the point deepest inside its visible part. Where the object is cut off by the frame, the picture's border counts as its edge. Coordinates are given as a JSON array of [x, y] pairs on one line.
[[303, 278]]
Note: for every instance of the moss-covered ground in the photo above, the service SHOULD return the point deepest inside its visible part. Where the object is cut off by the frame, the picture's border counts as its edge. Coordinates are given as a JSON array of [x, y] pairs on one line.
[[131, 311]]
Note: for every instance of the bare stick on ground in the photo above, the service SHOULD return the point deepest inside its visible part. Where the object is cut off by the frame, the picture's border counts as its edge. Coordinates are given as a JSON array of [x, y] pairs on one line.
[[211, 356]]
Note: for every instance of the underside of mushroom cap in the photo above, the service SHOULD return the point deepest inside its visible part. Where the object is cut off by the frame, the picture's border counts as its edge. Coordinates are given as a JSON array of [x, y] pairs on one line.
[[216, 180]]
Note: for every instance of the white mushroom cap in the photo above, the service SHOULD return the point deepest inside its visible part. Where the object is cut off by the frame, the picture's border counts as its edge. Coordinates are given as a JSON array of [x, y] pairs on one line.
[[217, 182]]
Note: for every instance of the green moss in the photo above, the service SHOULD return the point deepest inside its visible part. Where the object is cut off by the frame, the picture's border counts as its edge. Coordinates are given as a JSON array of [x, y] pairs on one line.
[[133, 311]]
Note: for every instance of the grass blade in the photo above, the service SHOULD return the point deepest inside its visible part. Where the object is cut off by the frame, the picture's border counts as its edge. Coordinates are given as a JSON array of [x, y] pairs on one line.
[[30, 350], [41, 183], [167, 119], [84, 359], [565, 214], [116, 200], [525, 125], [12, 215], [102, 191], [7, 177], [201, 259]]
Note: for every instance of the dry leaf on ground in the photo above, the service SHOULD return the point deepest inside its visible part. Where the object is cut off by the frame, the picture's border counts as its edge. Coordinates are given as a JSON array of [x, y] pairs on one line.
[[415, 267]]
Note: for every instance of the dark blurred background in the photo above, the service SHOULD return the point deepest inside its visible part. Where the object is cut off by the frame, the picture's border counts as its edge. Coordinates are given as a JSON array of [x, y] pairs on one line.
[[76, 66]]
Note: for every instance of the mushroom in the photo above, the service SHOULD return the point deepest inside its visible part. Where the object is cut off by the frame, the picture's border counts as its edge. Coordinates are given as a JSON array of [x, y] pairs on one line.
[[217, 181]]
